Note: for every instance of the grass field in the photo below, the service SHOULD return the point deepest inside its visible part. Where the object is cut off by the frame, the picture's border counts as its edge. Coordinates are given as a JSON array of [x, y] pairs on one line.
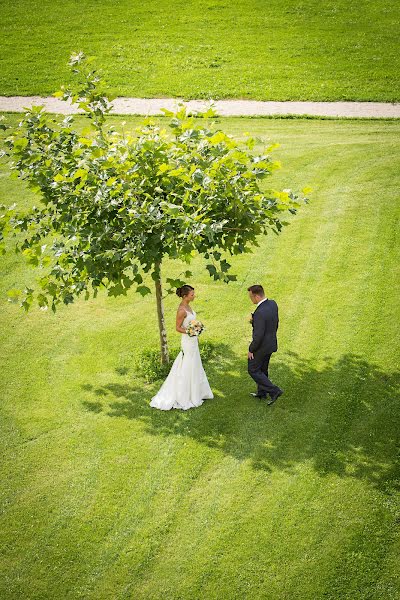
[[105, 498], [280, 50]]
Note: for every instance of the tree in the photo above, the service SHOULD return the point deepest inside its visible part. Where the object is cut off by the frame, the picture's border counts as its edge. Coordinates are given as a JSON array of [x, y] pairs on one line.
[[114, 204]]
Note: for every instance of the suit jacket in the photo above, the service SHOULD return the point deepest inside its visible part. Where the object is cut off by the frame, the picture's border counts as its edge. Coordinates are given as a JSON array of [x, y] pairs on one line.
[[265, 325]]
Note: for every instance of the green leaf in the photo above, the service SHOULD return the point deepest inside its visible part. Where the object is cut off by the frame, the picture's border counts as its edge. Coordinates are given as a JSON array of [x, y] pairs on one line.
[[20, 144], [68, 298], [175, 283], [116, 290], [32, 256], [97, 152], [212, 270], [42, 301], [163, 168], [211, 112], [143, 290], [26, 304], [14, 295], [218, 137], [80, 173], [225, 266], [85, 141], [231, 278], [172, 209]]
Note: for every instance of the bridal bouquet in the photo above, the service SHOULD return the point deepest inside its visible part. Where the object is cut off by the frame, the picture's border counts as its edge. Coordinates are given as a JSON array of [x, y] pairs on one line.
[[194, 328]]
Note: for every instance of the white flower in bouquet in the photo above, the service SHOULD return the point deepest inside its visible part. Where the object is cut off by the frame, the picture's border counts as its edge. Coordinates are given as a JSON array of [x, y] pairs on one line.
[[194, 328]]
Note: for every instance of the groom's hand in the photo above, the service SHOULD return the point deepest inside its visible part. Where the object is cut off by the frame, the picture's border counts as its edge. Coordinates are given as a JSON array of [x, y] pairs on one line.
[[250, 356]]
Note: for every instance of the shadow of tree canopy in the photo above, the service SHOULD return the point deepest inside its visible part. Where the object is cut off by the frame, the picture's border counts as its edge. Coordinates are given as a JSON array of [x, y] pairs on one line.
[[342, 416]]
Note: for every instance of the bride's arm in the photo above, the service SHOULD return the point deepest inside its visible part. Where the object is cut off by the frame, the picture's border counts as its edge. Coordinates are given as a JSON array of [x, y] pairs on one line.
[[180, 315]]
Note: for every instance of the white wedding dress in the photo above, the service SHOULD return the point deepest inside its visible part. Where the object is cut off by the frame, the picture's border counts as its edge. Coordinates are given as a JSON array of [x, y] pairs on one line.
[[186, 385]]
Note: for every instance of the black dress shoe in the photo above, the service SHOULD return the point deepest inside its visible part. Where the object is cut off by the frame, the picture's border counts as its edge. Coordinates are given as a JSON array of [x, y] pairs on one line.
[[274, 397], [255, 395]]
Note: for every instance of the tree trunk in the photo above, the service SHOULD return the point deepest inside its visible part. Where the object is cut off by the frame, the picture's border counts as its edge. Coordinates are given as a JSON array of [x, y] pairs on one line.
[[161, 320]]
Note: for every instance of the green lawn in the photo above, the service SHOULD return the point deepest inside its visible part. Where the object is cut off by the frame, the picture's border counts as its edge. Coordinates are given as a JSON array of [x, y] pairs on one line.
[[277, 50], [105, 498]]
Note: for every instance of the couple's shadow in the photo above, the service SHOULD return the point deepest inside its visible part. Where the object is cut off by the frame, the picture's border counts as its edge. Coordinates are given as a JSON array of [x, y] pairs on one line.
[[341, 415]]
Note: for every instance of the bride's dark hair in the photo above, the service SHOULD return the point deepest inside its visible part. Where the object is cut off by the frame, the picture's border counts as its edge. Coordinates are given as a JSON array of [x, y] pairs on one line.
[[184, 290]]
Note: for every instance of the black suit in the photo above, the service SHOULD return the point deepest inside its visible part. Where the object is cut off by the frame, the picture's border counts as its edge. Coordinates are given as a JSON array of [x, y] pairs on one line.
[[264, 343]]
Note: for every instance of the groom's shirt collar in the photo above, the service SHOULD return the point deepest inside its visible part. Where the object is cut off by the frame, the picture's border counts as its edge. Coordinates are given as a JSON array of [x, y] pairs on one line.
[[261, 301]]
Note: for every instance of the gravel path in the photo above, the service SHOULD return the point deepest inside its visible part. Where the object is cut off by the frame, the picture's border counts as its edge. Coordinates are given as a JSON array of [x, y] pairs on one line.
[[152, 106]]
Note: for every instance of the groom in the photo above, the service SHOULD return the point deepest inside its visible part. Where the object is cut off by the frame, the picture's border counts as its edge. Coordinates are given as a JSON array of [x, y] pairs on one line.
[[265, 325]]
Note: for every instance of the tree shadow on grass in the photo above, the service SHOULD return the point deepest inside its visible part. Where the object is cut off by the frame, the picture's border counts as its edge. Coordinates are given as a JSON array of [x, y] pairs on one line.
[[342, 415]]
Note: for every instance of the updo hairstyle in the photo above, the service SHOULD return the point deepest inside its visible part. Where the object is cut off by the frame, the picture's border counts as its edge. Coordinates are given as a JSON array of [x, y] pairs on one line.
[[184, 290]]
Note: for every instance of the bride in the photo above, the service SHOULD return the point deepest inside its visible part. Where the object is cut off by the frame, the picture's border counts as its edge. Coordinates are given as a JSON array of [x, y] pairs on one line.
[[186, 385]]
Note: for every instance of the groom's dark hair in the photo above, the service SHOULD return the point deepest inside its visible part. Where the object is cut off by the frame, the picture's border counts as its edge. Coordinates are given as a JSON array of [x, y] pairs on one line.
[[257, 290]]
